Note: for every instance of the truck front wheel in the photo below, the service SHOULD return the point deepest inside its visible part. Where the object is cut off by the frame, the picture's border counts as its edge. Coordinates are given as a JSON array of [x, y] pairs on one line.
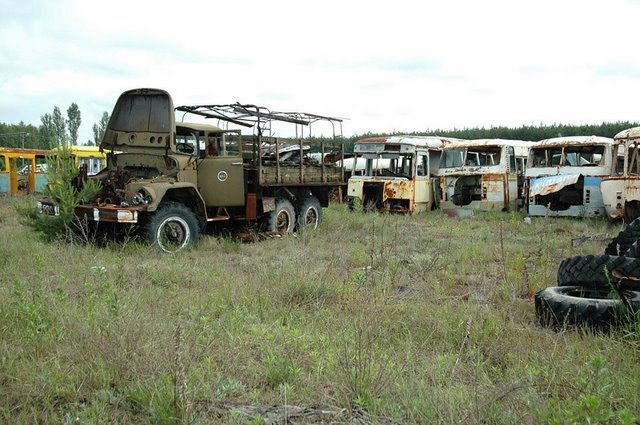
[[282, 219], [173, 227]]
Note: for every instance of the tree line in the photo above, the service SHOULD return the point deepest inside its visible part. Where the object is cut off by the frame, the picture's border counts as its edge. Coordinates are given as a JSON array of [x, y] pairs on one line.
[[55, 130], [525, 132]]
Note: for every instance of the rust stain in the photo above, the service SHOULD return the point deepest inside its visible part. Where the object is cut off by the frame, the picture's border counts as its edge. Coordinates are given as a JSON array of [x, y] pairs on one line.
[[553, 187], [373, 140], [389, 192], [22, 151], [493, 177]]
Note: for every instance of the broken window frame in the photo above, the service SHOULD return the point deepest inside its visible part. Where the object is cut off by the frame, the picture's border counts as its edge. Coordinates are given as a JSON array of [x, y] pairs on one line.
[[569, 156]]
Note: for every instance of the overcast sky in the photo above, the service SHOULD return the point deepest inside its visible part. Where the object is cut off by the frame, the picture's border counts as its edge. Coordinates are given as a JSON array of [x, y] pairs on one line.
[[385, 65]]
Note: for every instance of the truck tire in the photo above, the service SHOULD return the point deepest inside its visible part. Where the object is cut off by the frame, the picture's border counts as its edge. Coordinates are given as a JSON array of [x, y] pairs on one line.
[[623, 241], [633, 251], [173, 227], [588, 271], [309, 213], [560, 306], [631, 211], [282, 219]]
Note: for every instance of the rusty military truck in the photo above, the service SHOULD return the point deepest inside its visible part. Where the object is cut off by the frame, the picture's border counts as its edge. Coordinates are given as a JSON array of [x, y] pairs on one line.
[[170, 179]]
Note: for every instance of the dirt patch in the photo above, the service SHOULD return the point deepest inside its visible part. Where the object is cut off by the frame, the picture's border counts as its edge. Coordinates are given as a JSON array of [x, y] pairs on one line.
[[285, 414]]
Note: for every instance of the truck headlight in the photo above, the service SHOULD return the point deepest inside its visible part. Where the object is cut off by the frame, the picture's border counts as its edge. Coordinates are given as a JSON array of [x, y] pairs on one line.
[[142, 197]]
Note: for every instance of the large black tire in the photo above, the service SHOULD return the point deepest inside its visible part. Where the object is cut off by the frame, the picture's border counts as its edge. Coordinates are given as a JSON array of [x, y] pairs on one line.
[[566, 306], [633, 251], [631, 211], [309, 213], [589, 271], [283, 219], [625, 239], [173, 227]]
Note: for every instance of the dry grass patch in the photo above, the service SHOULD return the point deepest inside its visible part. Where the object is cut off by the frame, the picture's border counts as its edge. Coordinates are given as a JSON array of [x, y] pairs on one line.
[[419, 319]]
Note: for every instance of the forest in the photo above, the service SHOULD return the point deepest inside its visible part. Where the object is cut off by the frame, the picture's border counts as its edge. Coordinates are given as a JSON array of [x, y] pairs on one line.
[[55, 130]]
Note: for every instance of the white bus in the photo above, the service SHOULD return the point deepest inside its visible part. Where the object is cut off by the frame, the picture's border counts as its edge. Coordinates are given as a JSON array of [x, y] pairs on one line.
[[483, 174], [564, 175], [621, 190], [395, 173]]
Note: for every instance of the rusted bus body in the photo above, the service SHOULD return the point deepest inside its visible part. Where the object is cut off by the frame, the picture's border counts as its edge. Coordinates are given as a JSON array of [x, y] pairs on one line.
[[22, 171], [564, 176], [398, 173], [93, 157], [483, 174], [621, 190]]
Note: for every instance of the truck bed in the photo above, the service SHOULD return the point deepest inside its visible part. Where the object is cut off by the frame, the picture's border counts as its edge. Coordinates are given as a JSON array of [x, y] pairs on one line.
[[285, 161]]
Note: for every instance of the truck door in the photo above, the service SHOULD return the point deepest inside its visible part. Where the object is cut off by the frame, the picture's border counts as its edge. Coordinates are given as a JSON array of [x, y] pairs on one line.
[[220, 172]]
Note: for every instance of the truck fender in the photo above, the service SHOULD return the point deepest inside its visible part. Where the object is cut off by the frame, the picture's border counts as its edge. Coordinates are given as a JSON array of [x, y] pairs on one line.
[[268, 203], [184, 193]]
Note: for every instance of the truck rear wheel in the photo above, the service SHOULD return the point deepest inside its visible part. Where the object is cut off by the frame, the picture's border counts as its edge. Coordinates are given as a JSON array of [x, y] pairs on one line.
[[173, 227], [309, 213], [282, 219]]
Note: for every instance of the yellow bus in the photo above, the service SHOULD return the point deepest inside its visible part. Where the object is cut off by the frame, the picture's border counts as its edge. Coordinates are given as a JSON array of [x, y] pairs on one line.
[[89, 155], [22, 171]]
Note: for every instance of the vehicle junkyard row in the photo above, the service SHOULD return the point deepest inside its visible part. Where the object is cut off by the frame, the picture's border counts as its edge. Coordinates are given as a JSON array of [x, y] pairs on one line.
[[172, 178]]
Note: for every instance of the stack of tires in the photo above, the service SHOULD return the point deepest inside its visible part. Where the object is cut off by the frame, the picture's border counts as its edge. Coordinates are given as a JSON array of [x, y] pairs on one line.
[[596, 291]]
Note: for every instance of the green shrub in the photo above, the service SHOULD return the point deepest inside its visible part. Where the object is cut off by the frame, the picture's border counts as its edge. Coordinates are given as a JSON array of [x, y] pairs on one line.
[[61, 173]]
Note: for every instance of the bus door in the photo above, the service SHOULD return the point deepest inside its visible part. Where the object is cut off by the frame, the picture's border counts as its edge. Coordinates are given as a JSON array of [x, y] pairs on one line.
[[423, 195]]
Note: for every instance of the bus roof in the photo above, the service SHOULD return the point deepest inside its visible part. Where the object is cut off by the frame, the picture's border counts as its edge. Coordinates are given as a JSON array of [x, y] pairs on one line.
[[22, 151], [78, 148], [630, 133], [574, 140], [490, 142], [433, 142]]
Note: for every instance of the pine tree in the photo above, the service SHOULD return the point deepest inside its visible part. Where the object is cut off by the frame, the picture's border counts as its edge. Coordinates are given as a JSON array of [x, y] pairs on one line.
[[74, 120]]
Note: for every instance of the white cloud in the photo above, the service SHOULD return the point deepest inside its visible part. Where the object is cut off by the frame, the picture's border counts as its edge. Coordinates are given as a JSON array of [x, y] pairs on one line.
[[401, 66]]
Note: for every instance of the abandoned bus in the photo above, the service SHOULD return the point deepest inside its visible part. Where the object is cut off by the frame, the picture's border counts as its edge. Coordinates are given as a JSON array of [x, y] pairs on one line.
[[94, 159], [621, 190], [398, 173], [484, 174], [22, 171], [564, 176]]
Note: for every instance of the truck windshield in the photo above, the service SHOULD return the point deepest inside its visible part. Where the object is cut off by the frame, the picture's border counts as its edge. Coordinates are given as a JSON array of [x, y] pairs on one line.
[[187, 144]]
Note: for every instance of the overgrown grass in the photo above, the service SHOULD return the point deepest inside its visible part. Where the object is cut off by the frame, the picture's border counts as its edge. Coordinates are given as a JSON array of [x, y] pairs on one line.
[[423, 319]]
